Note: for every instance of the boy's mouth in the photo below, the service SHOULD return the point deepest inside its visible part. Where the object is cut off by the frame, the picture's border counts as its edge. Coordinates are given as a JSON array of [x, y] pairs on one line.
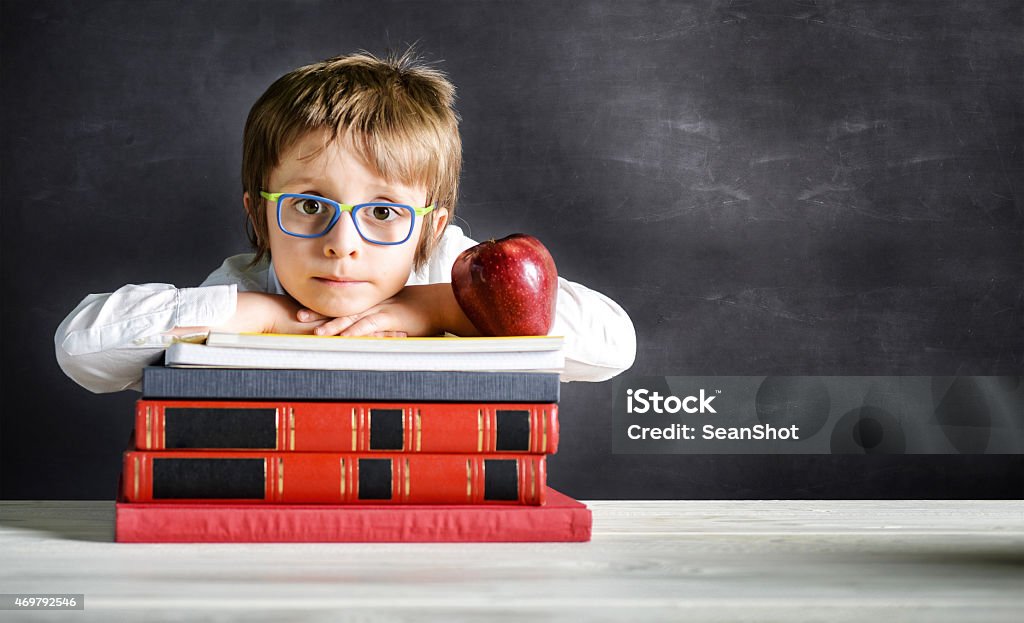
[[339, 281]]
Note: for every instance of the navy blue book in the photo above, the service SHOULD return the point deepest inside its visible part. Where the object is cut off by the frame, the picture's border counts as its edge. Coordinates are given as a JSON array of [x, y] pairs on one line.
[[391, 385]]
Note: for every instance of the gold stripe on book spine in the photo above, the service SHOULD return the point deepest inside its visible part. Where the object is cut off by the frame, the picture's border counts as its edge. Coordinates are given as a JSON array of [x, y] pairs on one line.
[[354, 429], [479, 430], [408, 429], [149, 428], [280, 438], [136, 460], [406, 480], [544, 431], [419, 431], [533, 480], [280, 478], [342, 480], [490, 421], [469, 480], [280, 443], [291, 428]]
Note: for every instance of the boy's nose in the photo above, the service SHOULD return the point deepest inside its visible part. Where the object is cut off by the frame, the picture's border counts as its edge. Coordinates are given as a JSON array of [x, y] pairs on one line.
[[343, 239]]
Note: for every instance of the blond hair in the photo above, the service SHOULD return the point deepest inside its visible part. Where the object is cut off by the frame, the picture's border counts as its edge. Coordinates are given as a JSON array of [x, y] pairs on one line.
[[396, 112]]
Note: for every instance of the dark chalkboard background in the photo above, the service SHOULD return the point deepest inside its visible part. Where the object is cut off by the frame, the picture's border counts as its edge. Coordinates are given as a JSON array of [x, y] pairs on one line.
[[766, 187]]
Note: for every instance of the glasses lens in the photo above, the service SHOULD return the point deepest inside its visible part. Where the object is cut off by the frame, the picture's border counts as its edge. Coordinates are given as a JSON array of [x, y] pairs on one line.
[[386, 223], [305, 215]]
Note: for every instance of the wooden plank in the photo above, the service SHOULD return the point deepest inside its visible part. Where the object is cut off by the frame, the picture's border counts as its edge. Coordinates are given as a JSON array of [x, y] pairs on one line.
[[650, 560]]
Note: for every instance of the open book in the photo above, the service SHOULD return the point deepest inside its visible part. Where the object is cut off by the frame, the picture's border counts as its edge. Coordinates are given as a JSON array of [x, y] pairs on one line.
[[308, 352], [448, 344]]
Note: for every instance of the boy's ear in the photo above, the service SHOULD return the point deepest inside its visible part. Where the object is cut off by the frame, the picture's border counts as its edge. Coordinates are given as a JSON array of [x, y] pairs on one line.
[[249, 207], [440, 220]]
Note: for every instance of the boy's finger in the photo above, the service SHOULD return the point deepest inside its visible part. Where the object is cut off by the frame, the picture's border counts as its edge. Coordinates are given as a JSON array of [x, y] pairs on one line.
[[391, 334], [308, 315], [335, 325], [367, 325]]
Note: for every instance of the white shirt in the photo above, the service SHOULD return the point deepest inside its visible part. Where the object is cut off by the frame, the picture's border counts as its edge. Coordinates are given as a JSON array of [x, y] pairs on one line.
[[106, 341]]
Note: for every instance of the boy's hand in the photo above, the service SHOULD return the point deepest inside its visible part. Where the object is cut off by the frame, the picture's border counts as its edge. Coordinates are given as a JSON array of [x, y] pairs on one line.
[[257, 312], [415, 311]]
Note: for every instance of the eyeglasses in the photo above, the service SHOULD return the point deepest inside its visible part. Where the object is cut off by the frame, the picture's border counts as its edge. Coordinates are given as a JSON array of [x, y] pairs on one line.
[[311, 216]]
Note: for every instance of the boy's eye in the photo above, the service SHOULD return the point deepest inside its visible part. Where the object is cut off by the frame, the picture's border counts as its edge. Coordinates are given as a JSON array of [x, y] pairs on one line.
[[382, 213], [311, 207]]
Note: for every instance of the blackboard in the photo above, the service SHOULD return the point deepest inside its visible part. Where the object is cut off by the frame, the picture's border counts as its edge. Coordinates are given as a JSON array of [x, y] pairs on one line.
[[768, 188]]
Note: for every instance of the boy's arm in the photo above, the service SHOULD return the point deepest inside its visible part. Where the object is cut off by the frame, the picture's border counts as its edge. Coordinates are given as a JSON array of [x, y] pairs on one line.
[[600, 341], [106, 341], [416, 311]]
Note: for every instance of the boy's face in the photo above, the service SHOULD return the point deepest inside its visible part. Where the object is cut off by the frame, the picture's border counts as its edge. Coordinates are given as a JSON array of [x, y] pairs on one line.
[[339, 273]]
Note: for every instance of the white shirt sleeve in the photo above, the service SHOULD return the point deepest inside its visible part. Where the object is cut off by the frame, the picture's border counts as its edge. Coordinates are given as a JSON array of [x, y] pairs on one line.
[[106, 341], [600, 341]]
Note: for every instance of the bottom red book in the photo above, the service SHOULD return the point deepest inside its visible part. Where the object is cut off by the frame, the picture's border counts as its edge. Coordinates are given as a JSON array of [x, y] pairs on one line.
[[561, 518]]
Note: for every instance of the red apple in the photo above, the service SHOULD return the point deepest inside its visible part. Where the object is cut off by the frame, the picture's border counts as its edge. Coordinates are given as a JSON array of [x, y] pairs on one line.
[[507, 286]]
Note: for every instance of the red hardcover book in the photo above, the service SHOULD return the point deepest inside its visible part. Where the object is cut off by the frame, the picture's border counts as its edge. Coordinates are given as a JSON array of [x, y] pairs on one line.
[[530, 428], [560, 519], [333, 477]]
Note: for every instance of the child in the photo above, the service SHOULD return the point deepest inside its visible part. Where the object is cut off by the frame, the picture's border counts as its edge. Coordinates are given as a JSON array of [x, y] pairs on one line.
[[379, 134]]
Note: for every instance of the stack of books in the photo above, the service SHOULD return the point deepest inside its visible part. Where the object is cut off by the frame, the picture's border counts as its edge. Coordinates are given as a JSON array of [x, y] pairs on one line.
[[299, 438]]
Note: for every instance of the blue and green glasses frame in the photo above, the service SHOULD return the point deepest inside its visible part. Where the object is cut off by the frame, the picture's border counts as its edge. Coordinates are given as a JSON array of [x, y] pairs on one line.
[[339, 208]]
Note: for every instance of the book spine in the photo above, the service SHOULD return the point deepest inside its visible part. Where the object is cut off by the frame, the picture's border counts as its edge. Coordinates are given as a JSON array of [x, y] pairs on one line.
[[560, 519], [348, 385], [347, 426], [333, 478]]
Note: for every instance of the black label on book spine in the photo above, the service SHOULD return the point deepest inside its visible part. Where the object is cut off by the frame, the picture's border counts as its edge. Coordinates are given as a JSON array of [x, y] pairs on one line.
[[198, 427], [513, 430], [501, 479], [374, 479], [386, 431], [229, 479]]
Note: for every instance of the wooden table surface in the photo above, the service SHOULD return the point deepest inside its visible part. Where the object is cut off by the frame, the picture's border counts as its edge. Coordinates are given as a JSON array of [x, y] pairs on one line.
[[648, 561]]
